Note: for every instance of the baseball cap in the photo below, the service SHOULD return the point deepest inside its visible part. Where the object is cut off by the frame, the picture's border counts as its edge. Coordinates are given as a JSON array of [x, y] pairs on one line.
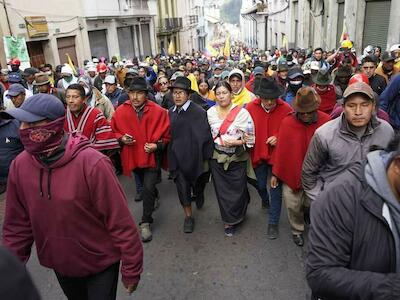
[[395, 47], [314, 65], [15, 89], [30, 71], [133, 71], [36, 108], [14, 77], [295, 72], [387, 56], [176, 75], [110, 79], [258, 71], [359, 87]]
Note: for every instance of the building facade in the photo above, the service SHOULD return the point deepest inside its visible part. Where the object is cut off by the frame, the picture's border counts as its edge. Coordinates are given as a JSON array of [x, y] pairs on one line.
[[168, 25], [50, 32], [121, 28], [320, 23]]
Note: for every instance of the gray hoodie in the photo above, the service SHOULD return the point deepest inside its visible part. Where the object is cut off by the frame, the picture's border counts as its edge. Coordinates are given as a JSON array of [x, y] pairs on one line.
[[375, 173]]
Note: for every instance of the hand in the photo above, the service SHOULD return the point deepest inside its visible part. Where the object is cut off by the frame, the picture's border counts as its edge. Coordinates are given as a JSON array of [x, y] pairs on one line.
[[232, 143], [248, 139], [127, 140], [272, 140], [130, 288], [150, 147], [274, 182]]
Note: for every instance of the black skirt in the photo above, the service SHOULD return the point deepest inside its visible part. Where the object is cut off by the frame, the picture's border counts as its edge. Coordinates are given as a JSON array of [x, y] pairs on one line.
[[231, 190]]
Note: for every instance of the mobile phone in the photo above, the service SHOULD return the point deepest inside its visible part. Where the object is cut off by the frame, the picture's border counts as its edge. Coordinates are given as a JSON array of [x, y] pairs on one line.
[[129, 136]]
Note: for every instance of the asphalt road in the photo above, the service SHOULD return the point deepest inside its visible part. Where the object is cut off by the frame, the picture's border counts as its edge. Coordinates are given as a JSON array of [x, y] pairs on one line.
[[206, 264]]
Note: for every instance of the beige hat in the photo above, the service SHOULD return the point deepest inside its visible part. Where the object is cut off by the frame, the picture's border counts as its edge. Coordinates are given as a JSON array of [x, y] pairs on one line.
[[359, 87]]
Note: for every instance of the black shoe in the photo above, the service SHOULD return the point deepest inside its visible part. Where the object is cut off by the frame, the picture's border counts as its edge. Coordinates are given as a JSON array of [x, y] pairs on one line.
[[265, 204], [298, 239], [273, 231], [307, 219], [199, 200], [188, 225]]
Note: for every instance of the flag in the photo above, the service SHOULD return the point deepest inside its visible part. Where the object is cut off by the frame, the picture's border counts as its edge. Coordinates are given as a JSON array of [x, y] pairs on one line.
[[227, 47], [345, 34], [193, 82], [285, 43], [71, 64], [171, 48], [210, 50]]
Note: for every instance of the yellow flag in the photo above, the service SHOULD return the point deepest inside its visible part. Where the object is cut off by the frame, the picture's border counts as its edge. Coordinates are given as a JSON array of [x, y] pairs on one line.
[[221, 51], [71, 64], [285, 43], [211, 50], [171, 48], [227, 47], [193, 82]]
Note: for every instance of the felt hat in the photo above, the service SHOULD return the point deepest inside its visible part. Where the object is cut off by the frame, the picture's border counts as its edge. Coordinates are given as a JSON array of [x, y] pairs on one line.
[[268, 88], [322, 78], [41, 79], [306, 100], [182, 83], [138, 84]]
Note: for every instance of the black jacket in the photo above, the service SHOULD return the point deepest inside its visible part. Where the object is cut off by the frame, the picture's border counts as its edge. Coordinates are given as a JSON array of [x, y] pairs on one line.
[[10, 146], [191, 142], [351, 247], [377, 83]]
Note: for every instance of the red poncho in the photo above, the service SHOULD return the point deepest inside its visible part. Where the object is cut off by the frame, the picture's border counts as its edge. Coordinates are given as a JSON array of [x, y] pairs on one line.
[[294, 138], [328, 99], [151, 128], [266, 125], [91, 123]]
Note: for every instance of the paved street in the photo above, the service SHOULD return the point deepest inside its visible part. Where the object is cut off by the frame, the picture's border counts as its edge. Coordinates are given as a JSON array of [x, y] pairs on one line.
[[206, 264]]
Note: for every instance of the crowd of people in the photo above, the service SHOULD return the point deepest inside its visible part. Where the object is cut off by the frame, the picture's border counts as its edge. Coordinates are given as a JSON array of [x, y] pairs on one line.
[[314, 130]]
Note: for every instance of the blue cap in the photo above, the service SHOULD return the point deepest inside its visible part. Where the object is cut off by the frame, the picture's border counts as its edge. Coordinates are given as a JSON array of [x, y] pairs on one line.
[[258, 71], [14, 77], [15, 89], [36, 108]]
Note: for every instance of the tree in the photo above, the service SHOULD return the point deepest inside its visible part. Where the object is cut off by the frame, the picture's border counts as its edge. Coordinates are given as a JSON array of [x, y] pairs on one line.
[[230, 11]]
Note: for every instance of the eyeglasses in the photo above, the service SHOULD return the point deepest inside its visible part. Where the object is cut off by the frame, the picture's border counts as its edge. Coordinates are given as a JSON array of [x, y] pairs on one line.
[[164, 83], [178, 93]]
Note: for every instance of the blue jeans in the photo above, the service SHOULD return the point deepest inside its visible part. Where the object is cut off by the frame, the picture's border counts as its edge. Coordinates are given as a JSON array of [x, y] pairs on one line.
[[263, 171]]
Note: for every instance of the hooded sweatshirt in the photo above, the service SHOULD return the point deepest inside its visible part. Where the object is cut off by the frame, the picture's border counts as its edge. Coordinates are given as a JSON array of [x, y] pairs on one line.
[[74, 210], [375, 173], [243, 96]]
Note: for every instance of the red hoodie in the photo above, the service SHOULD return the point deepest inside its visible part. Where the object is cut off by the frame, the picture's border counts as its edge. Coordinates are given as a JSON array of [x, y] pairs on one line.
[[74, 210]]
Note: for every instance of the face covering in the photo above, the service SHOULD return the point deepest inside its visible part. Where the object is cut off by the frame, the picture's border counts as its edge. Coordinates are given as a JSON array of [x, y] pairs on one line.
[[43, 139], [283, 77], [295, 82], [68, 78]]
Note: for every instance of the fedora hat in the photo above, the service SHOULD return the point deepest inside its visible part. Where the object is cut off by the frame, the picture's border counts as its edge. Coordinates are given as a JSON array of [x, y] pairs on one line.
[[41, 79], [268, 88], [182, 83], [322, 78], [138, 84], [307, 100]]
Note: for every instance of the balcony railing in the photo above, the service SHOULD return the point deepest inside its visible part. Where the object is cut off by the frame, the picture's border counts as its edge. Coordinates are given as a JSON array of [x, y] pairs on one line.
[[169, 25]]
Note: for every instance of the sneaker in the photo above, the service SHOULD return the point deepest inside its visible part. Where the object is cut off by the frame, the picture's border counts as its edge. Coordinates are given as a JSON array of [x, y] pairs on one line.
[[298, 239], [188, 225], [138, 197], [229, 231], [273, 231], [199, 200], [265, 204], [145, 232]]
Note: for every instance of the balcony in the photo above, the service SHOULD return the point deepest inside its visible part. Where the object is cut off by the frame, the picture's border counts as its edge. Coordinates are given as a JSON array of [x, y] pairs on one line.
[[169, 25]]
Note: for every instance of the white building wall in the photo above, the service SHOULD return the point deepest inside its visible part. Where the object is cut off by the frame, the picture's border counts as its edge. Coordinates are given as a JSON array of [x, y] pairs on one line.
[[64, 19]]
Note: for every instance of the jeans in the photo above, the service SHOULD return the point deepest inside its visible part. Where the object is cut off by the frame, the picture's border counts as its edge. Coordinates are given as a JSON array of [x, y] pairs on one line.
[[148, 177], [100, 286], [138, 183], [263, 173]]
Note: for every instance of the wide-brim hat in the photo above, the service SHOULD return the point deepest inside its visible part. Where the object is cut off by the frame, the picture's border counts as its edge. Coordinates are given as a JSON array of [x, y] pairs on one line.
[[306, 100], [322, 78], [182, 83], [268, 88], [138, 84], [41, 79]]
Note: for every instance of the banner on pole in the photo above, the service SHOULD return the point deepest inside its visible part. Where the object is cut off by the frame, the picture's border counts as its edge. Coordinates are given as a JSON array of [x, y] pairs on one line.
[[15, 47]]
